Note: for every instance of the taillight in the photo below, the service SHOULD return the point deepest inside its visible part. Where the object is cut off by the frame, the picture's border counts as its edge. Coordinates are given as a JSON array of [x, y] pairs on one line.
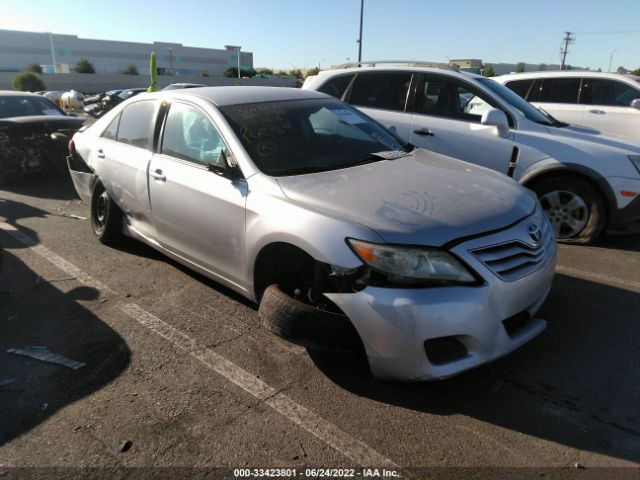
[[72, 147]]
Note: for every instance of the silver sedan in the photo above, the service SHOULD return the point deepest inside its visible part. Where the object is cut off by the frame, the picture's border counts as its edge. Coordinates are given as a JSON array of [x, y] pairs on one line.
[[345, 237]]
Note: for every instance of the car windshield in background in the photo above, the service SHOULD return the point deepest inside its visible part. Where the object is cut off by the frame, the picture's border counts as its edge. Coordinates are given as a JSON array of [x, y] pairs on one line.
[[304, 136], [16, 106], [513, 99]]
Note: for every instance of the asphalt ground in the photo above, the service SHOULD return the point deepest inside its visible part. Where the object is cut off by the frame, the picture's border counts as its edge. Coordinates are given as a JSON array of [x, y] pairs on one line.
[[181, 379]]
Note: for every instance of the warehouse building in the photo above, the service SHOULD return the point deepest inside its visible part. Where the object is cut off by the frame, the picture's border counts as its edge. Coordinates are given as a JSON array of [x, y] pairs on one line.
[[58, 53]]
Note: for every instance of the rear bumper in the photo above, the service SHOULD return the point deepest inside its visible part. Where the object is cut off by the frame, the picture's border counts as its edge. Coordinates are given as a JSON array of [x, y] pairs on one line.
[[82, 177]]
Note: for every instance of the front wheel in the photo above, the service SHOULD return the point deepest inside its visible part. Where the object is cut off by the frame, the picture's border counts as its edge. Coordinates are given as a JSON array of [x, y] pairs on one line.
[[106, 216], [574, 208]]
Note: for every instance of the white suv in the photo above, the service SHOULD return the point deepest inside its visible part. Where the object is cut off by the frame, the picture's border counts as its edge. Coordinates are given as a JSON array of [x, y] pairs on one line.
[[585, 182], [607, 102]]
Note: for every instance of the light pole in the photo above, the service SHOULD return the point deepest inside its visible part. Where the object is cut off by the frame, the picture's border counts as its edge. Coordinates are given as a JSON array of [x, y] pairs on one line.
[[319, 62], [611, 60], [360, 38], [53, 52], [237, 49], [170, 59]]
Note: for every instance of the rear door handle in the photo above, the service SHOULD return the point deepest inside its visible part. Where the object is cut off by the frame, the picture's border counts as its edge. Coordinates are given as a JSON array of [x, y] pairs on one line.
[[100, 154], [158, 175], [599, 112], [424, 133]]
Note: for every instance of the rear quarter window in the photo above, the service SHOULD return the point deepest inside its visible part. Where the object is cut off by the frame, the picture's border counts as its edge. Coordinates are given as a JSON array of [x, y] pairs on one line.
[[560, 90], [136, 122], [336, 86], [387, 90], [521, 87]]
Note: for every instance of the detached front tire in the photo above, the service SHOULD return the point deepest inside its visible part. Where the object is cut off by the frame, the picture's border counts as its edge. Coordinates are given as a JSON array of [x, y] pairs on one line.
[[106, 216], [575, 209], [306, 325]]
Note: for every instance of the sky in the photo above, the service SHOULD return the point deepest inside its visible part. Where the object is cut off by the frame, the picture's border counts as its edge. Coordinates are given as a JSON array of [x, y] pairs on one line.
[[285, 34]]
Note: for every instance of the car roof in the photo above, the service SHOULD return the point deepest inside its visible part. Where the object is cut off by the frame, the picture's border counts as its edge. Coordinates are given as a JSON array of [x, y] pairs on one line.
[[13, 93], [445, 71], [566, 73], [236, 95]]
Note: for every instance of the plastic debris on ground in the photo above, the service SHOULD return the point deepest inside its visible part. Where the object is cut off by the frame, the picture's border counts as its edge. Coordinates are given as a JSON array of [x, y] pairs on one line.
[[44, 355]]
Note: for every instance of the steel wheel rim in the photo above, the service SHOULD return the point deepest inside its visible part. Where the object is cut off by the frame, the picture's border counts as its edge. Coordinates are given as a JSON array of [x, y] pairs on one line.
[[567, 212], [102, 206]]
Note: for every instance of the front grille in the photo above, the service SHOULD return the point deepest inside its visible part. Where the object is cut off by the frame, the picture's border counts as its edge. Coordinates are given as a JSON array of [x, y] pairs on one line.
[[515, 259]]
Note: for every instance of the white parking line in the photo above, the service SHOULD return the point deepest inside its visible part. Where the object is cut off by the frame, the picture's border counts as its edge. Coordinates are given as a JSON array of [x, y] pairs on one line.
[[347, 445]]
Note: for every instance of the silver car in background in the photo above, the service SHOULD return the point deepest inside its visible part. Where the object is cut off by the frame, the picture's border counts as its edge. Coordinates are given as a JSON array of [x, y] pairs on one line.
[[347, 240]]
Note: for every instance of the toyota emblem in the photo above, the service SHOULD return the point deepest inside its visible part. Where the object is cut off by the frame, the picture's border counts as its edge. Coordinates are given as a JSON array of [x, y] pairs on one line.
[[535, 233]]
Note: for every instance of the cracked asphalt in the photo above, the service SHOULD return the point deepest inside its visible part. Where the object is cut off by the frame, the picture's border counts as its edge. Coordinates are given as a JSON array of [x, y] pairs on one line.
[[567, 403]]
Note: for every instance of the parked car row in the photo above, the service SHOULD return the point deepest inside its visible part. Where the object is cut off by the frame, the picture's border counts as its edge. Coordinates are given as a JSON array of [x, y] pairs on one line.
[[391, 219]]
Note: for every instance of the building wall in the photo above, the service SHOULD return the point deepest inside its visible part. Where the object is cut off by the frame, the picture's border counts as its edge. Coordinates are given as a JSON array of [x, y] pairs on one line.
[[94, 83], [21, 49]]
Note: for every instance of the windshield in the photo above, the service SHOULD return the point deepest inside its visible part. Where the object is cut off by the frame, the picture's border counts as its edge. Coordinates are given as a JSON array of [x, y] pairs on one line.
[[513, 99], [17, 106], [303, 136]]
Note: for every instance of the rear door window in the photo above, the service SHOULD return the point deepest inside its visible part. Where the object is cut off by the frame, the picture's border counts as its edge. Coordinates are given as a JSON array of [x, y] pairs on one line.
[[384, 90], [336, 86], [136, 124], [597, 91], [560, 90]]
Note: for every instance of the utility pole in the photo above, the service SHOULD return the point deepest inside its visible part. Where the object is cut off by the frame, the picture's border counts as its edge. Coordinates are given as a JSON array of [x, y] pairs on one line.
[[567, 40], [360, 38]]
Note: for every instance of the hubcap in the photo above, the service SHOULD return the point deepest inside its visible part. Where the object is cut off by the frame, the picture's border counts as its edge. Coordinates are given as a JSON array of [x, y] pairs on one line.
[[567, 212]]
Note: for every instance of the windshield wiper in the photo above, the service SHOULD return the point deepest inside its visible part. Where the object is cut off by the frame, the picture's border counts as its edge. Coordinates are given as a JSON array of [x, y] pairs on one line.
[[377, 156], [277, 172]]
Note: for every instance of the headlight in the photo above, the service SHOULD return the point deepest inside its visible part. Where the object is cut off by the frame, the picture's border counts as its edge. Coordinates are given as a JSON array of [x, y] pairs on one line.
[[635, 159], [412, 265]]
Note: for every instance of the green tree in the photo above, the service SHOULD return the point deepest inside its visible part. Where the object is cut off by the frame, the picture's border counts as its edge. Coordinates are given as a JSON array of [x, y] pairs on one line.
[[312, 71], [204, 73], [232, 72], [488, 72], [266, 71], [621, 69], [130, 69], [83, 66], [295, 73], [34, 68], [520, 67], [28, 82], [636, 72]]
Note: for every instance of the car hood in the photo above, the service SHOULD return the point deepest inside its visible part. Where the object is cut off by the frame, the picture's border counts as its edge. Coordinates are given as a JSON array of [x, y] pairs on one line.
[[46, 121], [423, 198], [592, 140]]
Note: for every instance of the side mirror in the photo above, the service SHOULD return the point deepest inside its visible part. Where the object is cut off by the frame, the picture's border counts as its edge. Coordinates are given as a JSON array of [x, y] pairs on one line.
[[635, 104], [495, 117], [225, 166]]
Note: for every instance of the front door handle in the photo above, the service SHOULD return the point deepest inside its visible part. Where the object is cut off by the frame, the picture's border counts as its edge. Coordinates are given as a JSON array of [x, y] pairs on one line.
[[158, 175], [424, 132], [599, 112], [100, 154]]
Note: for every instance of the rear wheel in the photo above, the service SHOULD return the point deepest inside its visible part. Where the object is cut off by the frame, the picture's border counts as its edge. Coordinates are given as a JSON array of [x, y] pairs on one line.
[[106, 216], [574, 208]]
